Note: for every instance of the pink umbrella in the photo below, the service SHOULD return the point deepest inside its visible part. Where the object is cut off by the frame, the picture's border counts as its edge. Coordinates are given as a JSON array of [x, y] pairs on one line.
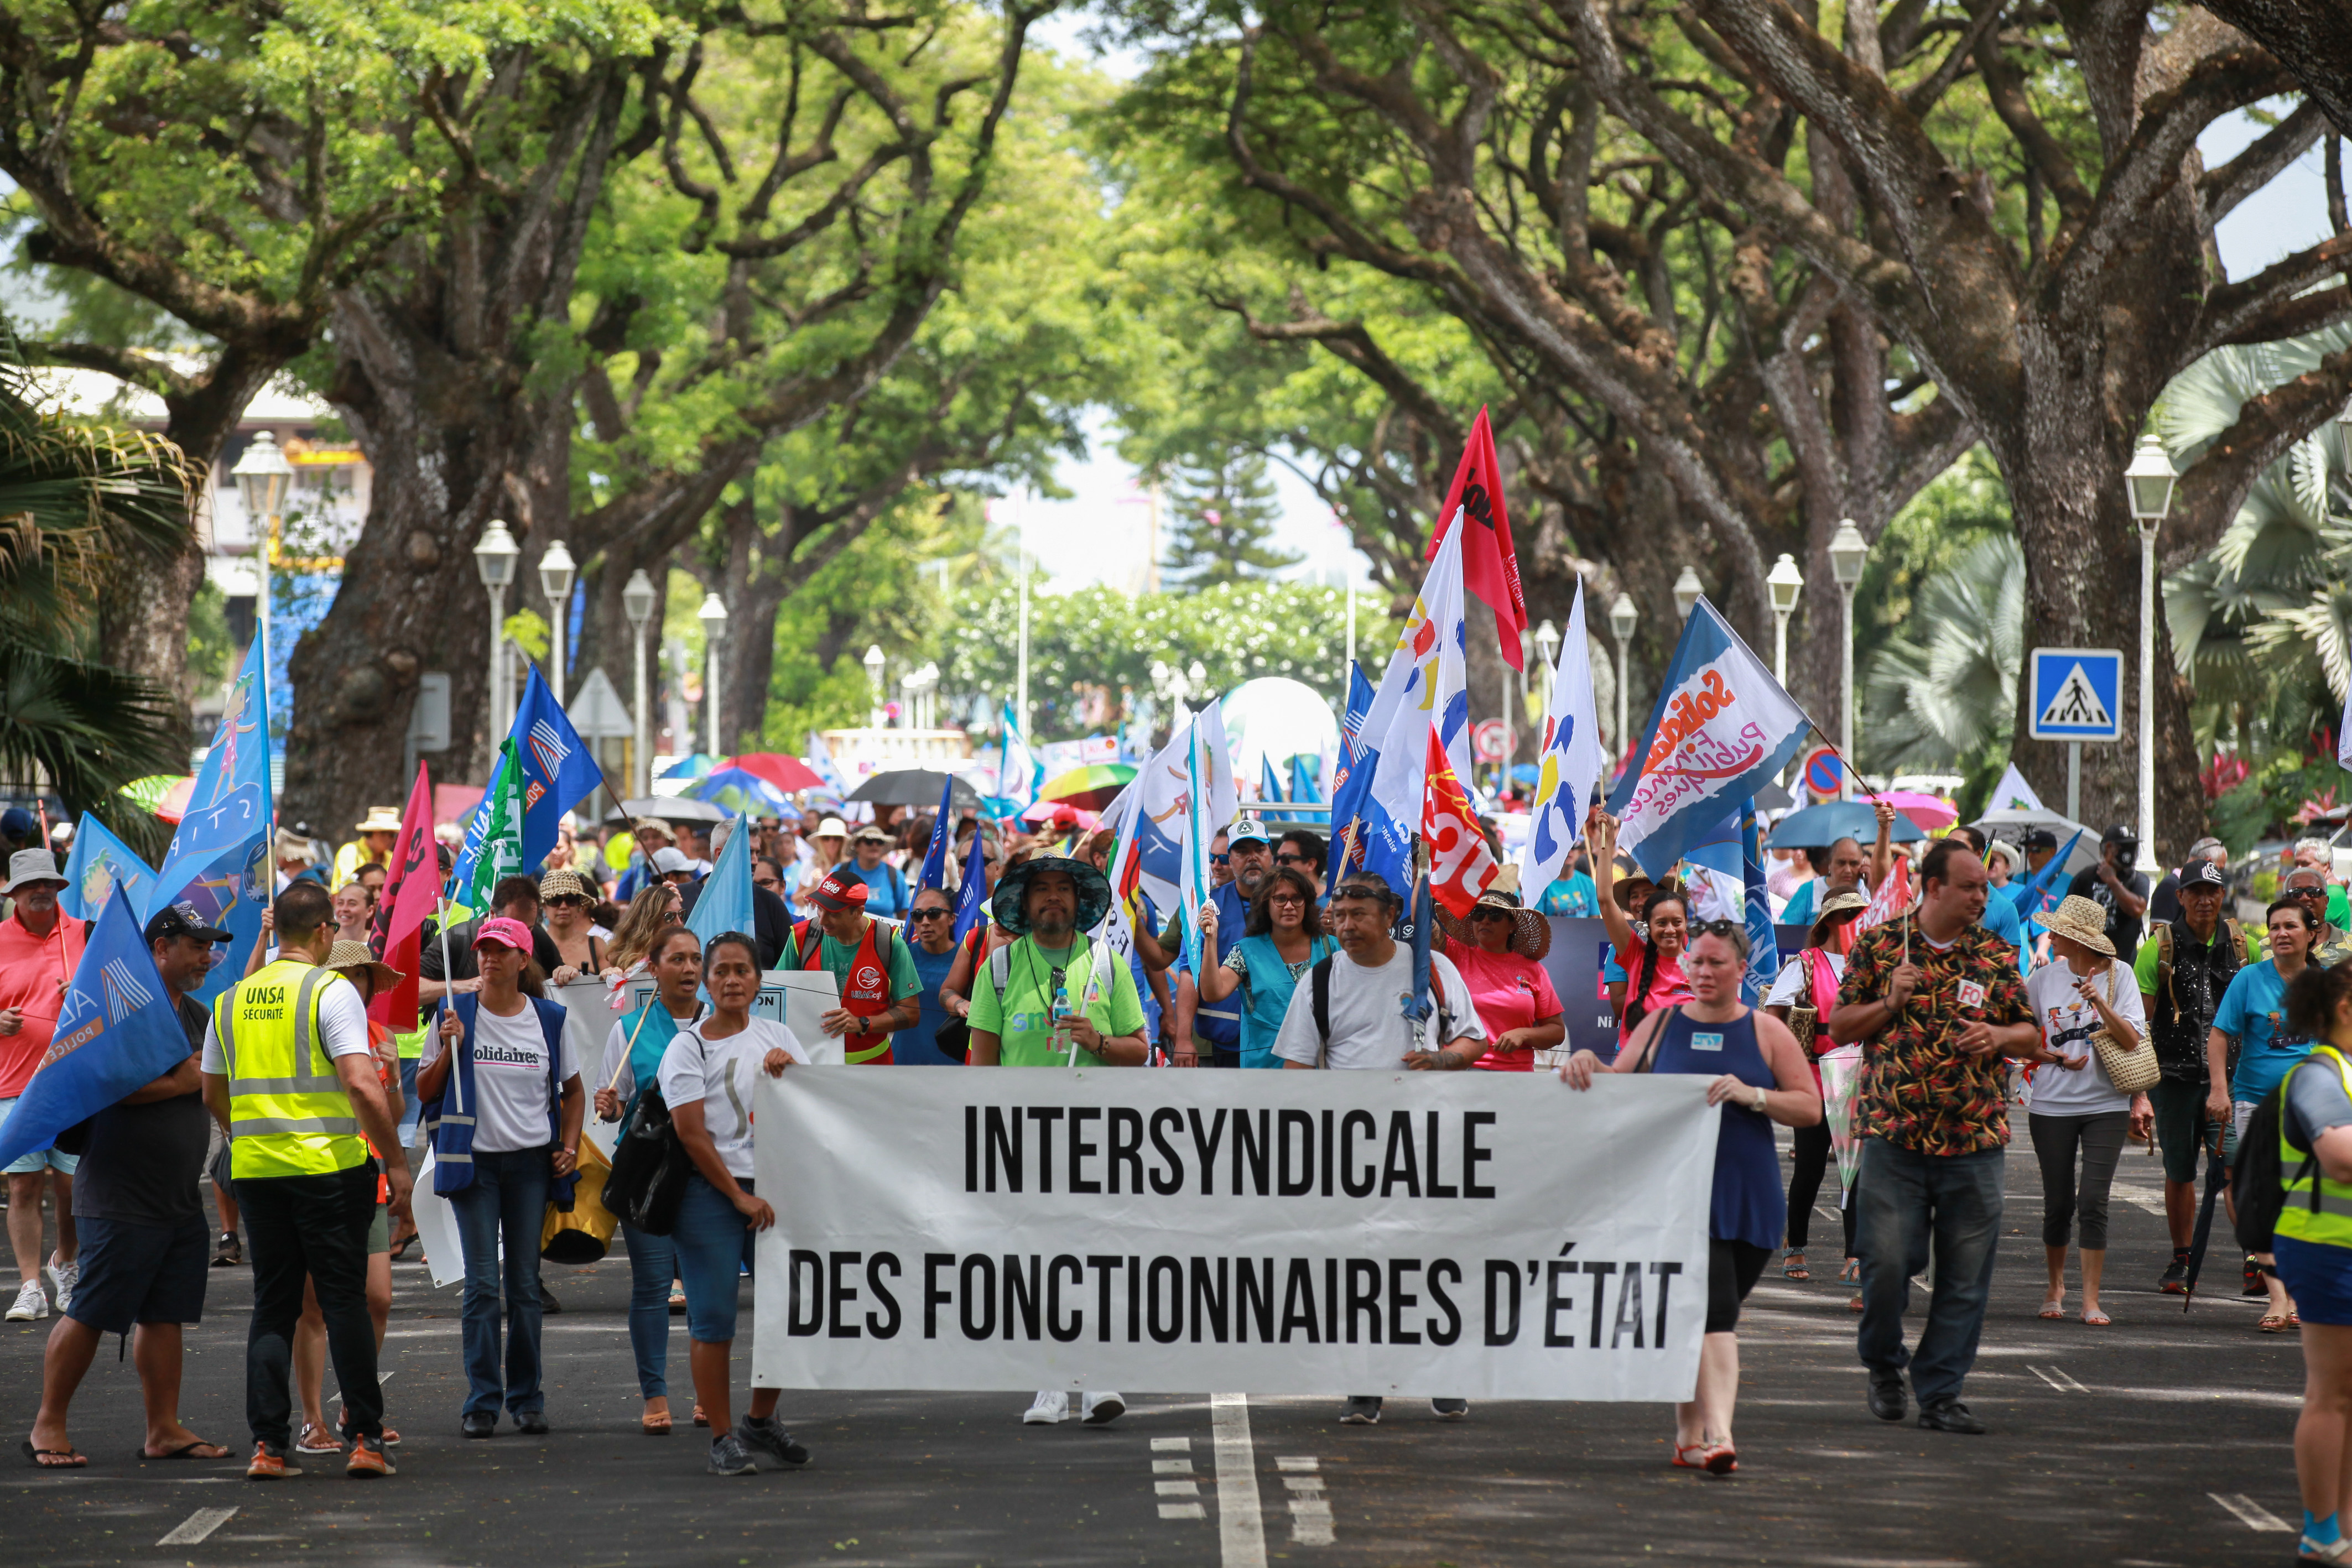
[[1061, 814], [1926, 812]]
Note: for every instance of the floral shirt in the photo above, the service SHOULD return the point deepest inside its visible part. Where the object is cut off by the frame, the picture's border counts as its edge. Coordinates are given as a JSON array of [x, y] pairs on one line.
[[1918, 1091]]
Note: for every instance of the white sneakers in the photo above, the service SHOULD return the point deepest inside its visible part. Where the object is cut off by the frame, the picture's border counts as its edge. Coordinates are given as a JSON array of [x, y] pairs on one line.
[[32, 1302], [63, 1278], [1053, 1405]]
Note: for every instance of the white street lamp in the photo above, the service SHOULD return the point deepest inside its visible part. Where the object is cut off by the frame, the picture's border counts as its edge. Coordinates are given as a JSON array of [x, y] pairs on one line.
[[2148, 484], [556, 571], [1849, 552], [637, 604], [262, 475], [1784, 583], [873, 662], [1688, 592], [1622, 618], [713, 616], [494, 558]]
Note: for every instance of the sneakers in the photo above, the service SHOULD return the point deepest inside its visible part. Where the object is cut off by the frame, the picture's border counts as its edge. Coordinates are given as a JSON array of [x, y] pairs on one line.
[[728, 1457], [227, 1253], [769, 1438], [316, 1440], [1051, 1406], [1449, 1409], [369, 1460], [1102, 1409], [2176, 1278], [32, 1304], [62, 1279], [1361, 1410], [269, 1464]]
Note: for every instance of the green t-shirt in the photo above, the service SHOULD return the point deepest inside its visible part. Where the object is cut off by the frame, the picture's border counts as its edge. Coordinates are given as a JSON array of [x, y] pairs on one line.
[[1022, 1021], [2151, 955], [837, 957]]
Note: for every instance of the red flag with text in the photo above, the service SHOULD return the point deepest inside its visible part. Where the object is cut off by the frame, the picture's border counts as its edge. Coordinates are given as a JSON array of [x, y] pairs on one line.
[[1490, 564], [1892, 898], [1461, 866], [414, 879]]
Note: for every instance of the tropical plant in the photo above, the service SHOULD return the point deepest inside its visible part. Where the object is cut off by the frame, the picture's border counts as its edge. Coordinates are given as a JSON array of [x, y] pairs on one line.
[[1938, 698]]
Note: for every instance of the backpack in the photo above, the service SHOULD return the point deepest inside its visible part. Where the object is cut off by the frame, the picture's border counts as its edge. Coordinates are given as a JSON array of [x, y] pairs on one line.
[[999, 968], [650, 1165], [2257, 1185], [2234, 933], [1319, 984]]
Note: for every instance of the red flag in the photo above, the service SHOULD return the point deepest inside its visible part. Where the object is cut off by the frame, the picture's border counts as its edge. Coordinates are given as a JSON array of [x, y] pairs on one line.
[[1892, 899], [1490, 565], [408, 893], [1461, 867]]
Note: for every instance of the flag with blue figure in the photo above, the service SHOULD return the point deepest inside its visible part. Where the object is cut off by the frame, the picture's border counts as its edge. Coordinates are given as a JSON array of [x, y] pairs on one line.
[[1304, 790], [557, 770], [100, 863], [1763, 946], [1018, 771], [1572, 759], [971, 898], [725, 902], [116, 1032], [219, 859], [2040, 893], [1721, 727], [934, 859]]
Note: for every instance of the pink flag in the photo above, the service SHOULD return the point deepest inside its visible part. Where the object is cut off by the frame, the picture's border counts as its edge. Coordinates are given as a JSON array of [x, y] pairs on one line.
[[1893, 897]]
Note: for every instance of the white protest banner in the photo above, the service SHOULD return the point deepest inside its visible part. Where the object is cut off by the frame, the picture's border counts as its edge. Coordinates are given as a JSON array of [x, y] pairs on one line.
[[797, 998], [1475, 1235]]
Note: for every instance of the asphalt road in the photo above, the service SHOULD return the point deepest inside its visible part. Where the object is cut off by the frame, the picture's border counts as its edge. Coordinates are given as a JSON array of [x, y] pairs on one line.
[[2162, 1440]]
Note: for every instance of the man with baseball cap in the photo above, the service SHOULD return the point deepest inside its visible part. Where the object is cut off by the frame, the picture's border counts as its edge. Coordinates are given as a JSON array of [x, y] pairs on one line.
[[41, 946], [887, 892], [143, 1259], [880, 992], [1212, 1036], [2183, 968]]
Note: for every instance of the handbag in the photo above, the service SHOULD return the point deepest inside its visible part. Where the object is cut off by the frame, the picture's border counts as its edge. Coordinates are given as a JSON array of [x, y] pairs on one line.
[[649, 1166], [2131, 1072]]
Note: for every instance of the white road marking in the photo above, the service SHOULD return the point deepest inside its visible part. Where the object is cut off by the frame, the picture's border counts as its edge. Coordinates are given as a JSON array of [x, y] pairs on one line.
[[1310, 1508], [204, 1520], [1172, 1467], [1306, 1464], [1240, 1532], [1306, 1485], [1183, 1511], [1177, 1489], [1171, 1444], [2250, 1514], [2058, 1380]]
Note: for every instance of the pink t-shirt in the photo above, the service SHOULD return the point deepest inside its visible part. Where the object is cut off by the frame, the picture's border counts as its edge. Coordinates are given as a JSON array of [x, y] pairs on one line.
[[1509, 992], [30, 968], [1667, 987]]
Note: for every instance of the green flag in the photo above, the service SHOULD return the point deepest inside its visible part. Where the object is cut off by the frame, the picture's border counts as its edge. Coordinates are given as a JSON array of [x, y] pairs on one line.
[[502, 853]]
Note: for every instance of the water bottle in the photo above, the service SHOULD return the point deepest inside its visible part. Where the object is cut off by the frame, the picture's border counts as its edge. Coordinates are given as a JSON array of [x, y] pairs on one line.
[[1062, 1041]]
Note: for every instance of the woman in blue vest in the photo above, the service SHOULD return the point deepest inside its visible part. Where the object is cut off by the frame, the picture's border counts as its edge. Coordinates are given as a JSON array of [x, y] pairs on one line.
[[1759, 1078], [504, 1123], [1283, 939], [633, 1055]]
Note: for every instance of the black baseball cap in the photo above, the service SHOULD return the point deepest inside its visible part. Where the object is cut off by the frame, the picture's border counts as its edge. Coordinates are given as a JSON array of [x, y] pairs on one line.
[[181, 920], [2201, 874], [2037, 839]]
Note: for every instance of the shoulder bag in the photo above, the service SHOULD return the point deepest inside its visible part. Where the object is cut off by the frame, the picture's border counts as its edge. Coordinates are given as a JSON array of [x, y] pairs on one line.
[[2132, 1071]]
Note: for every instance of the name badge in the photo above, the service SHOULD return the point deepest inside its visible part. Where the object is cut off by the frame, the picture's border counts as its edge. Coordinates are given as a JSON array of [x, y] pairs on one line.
[[1972, 994], [1706, 1042]]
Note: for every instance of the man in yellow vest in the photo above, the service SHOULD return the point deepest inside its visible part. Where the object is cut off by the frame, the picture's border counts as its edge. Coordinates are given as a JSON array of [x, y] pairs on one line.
[[289, 1075]]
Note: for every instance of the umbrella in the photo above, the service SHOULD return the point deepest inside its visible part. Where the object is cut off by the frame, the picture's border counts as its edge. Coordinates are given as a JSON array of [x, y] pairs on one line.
[[2008, 825], [1092, 788], [1837, 820], [2216, 1178], [164, 795], [788, 774], [912, 786], [670, 809], [693, 765], [1061, 814], [1930, 813], [742, 792]]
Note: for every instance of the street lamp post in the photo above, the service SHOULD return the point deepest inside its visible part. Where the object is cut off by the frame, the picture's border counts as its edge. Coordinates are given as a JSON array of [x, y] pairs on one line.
[[1688, 592], [713, 616], [1849, 552], [1622, 618], [556, 571], [494, 558], [873, 663], [1785, 582], [637, 604], [2149, 486], [262, 475]]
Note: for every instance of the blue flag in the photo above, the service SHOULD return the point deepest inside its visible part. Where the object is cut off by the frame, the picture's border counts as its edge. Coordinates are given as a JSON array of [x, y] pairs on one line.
[[469, 849], [1359, 703], [219, 858], [116, 1032], [100, 863], [2035, 898], [558, 768], [725, 901], [974, 896], [1763, 947], [934, 859], [1422, 917], [1303, 789], [1269, 783]]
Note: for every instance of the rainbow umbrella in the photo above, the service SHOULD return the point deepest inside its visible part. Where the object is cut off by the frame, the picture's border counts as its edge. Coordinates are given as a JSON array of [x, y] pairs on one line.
[[741, 791], [1091, 788], [789, 775], [164, 795]]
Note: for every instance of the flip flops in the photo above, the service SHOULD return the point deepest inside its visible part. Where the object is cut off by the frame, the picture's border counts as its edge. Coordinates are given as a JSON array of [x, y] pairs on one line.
[[186, 1450], [39, 1457]]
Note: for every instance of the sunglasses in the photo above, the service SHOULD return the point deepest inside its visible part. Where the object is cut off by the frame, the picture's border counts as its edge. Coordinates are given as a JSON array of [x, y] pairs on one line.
[[566, 901], [1285, 898], [930, 914], [1717, 928], [1292, 859], [1221, 860], [1489, 913]]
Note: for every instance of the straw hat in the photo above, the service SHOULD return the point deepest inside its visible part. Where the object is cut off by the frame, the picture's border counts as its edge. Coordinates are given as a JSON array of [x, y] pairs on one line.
[[347, 956], [563, 883], [2082, 920], [292, 846], [1530, 932], [379, 820], [1012, 892]]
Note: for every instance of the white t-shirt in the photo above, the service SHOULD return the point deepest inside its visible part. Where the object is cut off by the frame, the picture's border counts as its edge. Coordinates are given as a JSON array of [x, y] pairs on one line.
[[342, 1026], [614, 1070], [1368, 1027], [511, 1089], [1792, 988], [719, 1074], [2067, 1022]]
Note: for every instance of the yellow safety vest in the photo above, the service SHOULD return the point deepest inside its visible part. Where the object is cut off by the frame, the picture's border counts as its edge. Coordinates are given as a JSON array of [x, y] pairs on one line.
[[288, 1113], [2316, 1210]]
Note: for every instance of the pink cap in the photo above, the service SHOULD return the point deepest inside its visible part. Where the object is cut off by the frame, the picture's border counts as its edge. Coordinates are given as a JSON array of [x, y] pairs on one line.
[[505, 931]]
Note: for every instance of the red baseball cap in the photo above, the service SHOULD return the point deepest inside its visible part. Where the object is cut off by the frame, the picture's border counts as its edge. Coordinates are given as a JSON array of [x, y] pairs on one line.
[[504, 932], [839, 892]]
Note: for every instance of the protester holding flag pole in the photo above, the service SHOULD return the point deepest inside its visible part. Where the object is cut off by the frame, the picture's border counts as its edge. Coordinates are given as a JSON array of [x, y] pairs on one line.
[[41, 947]]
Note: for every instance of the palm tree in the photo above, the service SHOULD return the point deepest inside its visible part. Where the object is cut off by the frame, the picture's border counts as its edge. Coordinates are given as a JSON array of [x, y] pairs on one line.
[[1934, 702], [73, 498]]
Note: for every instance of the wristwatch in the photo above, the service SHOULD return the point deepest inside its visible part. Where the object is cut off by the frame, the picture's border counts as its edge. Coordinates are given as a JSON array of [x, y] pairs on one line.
[[1759, 1102]]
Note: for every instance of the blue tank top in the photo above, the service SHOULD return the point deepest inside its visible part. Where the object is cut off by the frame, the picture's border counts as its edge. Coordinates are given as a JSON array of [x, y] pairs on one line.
[[918, 1047], [1748, 1204], [1266, 993]]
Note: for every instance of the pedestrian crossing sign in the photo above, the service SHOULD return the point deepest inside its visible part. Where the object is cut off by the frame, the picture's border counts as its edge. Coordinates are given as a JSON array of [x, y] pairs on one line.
[[2077, 694]]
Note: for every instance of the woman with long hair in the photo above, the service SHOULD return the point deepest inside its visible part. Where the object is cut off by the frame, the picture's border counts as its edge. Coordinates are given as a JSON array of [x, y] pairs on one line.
[[1652, 956], [2314, 1248], [1282, 939], [652, 912], [564, 902]]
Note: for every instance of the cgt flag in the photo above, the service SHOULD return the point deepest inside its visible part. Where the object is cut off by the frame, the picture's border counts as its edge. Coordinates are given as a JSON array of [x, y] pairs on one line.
[[1490, 565], [1461, 867], [116, 1032], [935, 858]]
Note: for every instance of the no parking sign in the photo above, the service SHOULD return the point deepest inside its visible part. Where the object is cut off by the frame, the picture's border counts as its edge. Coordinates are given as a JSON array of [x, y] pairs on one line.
[[1822, 772]]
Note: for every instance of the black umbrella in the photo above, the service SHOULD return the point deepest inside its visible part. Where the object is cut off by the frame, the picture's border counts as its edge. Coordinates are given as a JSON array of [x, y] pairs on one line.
[[912, 786], [2216, 1178]]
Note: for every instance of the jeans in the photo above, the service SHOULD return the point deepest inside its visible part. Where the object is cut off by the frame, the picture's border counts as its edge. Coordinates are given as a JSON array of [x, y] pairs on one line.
[[508, 1199], [653, 1264], [315, 1226], [2101, 1140], [714, 1246], [1906, 1197]]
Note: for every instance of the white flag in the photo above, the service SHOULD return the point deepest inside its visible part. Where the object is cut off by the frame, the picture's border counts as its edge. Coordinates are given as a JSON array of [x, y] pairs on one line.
[[1426, 685], [1573, 760]]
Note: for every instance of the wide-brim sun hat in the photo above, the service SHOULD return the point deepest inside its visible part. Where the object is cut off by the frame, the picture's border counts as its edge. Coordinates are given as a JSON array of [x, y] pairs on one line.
[[346, 957], [1530, 932], [2079, 919], [379, 820], [1012, 887]]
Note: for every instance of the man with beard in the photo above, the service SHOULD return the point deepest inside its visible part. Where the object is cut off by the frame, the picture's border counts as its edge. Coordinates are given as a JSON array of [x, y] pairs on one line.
[[1212, 1036]]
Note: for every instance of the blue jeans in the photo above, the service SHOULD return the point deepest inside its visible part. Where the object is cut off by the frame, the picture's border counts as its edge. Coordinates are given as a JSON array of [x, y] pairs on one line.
[[1904, 1196], [508, 1199], [653, 1264], [714, 1248]]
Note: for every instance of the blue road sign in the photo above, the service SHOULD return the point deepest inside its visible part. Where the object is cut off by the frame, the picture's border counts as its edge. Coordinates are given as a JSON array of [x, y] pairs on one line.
[[2077, 694]]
